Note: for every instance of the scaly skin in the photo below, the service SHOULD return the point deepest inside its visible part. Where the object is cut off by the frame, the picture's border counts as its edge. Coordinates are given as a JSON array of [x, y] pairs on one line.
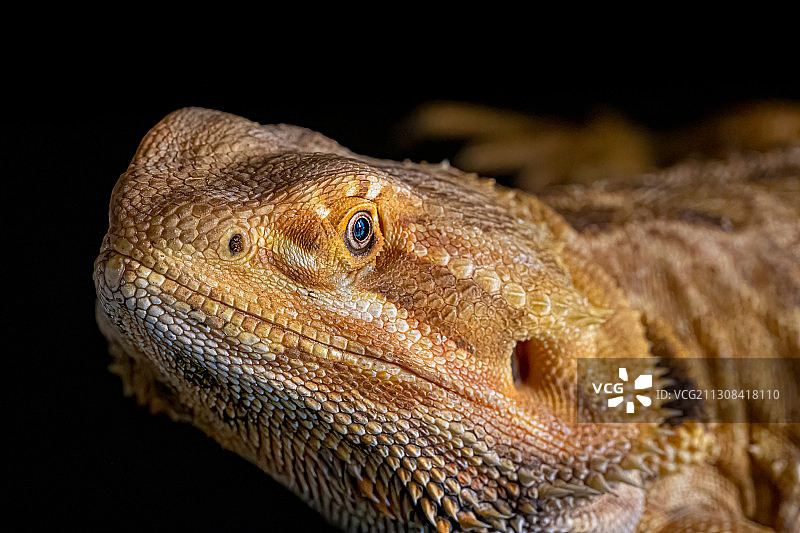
[[424, 380]]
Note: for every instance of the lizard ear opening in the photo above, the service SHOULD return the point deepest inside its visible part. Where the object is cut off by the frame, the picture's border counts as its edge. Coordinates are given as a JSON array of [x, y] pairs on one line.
[[520, 363]]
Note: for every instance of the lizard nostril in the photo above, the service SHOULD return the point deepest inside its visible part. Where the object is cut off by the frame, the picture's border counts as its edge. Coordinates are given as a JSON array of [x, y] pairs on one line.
[[520, 365], [113, 271], [236, 244]]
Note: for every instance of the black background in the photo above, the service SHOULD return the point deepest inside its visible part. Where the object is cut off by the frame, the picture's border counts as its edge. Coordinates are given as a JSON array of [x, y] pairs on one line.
[[89, 457]]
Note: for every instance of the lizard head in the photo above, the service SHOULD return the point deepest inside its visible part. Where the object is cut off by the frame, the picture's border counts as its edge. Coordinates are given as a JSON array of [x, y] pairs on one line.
[[410, 329]]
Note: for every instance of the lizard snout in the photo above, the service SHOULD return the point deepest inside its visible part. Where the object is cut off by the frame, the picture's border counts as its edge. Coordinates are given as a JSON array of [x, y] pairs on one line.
[[109, 268]]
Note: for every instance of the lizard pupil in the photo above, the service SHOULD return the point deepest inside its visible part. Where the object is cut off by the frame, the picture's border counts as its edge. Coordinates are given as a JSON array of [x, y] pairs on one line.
[[361, 229], [236, 244]]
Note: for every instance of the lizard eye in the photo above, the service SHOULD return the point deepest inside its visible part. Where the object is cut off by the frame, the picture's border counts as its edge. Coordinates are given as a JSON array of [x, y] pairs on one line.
[[359, 235]]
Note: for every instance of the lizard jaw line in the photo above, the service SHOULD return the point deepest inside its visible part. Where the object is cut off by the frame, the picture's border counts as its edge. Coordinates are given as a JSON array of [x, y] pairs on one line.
[[332, 353], [267, 353]]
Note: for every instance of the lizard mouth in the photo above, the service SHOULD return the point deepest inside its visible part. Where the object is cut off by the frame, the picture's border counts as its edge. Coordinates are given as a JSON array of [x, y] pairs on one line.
[[256, 334], [259, 338]]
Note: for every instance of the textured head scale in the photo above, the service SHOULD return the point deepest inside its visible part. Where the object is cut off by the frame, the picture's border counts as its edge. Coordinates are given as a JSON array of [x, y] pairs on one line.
[[232, 271]]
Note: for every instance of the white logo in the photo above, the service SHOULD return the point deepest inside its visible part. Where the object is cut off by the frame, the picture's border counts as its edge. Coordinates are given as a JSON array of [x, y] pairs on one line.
[[645, 381]]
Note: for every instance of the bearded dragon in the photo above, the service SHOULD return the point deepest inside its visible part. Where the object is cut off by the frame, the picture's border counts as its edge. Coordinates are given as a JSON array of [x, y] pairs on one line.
[[397, 342]]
